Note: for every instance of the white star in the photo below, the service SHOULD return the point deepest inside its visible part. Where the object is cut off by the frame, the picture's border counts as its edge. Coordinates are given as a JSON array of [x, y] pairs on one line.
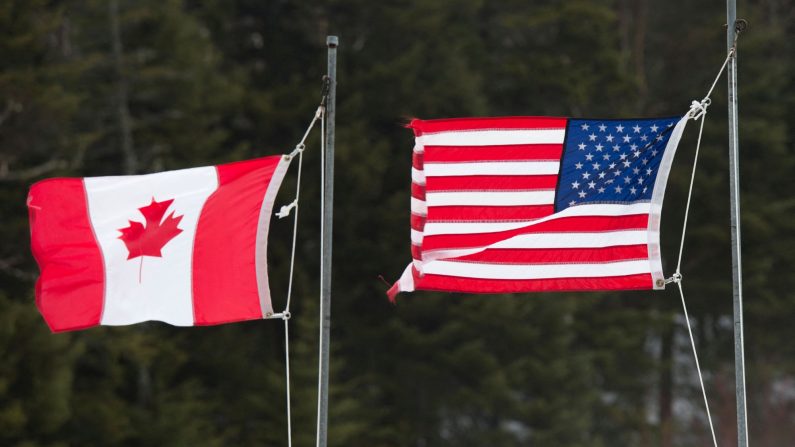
[[636, 154], [633, 191], [602, 174], [584, 126], [671, 124], [601, 190], [627, 180], [649, 171], [609, 181], [616, 173], [581, 194], [627, 138], [589, 156], [591, 185], [596, 166], [606, 157], [636, 171], [618, 189], [572, 203], [575, 185], [609, 138], [645, 188], [616, 148], [612, 166], [659, 137], [599, 147], [633, 146], [654, 128], [623, 156], [640, 180], [592, 137], [602, 128], [654, 152], [619, 128], [578, 165], [586, 175], [626, 163], [636, 128], [645, 161], [643, 137], [581, 146]]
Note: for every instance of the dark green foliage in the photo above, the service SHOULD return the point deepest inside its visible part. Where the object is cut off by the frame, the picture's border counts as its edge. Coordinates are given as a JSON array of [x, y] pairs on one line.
[[110, 87]]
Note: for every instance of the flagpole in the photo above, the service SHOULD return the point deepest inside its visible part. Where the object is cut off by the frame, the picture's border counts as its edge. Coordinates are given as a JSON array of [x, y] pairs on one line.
[[732, 29], [325, 245]]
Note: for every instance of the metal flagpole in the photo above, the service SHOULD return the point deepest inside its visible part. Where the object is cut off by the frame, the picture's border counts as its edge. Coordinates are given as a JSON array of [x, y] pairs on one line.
[[325, 245], [732, 29]]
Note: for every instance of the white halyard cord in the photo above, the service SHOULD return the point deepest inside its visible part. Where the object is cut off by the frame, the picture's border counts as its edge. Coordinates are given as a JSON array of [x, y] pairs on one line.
[[284, 212], [678, 280], [698, 111], [286, 319]]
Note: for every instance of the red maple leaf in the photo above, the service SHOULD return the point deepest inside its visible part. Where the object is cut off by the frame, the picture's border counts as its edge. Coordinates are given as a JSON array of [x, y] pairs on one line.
[[149, 240]]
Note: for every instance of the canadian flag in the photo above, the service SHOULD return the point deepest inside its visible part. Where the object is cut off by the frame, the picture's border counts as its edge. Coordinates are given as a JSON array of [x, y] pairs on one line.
[[184, 247]]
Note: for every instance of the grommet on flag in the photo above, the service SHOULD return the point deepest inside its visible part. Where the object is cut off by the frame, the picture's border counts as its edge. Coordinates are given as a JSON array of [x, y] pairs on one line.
[[298, 149]]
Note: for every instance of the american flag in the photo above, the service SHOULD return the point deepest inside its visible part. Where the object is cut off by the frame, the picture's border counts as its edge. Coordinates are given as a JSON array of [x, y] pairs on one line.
[[520, 204]]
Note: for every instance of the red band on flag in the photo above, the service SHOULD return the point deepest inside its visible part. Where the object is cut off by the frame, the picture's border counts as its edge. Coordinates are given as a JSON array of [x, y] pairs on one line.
[[558, 255], [475, 285], [467, 124], [69, 294], [488, 213], [225, 284], [454, 154], [492, 183]]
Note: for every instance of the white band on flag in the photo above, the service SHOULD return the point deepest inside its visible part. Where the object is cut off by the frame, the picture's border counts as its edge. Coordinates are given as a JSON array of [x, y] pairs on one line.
[[492, 168], [493, 137], [535, 271]]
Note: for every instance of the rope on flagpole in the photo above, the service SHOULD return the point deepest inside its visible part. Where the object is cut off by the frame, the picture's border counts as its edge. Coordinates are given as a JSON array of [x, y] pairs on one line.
[[698, 111], [284, 212]]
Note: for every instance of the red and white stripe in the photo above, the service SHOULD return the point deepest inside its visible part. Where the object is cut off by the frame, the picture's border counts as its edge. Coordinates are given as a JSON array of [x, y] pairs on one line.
[[483, 220], [213, 272]]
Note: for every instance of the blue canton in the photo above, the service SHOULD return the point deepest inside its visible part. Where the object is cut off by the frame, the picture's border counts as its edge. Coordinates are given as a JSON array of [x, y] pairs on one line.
[[611, 161]]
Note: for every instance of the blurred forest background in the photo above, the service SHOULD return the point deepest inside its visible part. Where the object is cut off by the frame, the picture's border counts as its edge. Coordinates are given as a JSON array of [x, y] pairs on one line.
[[105, 87]]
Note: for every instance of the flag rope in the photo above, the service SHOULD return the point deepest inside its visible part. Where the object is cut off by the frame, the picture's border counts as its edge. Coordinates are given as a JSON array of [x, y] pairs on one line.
[[284, 212], [698, 111]]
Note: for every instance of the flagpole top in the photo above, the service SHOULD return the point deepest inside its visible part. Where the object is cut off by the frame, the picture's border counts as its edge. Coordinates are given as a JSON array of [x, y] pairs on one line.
[[740, 25], [332, 41]]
